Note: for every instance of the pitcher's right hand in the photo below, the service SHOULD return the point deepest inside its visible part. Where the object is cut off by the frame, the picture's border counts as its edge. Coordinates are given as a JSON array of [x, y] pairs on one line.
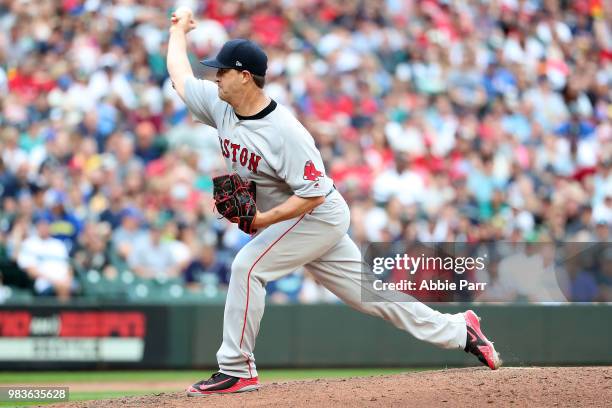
[[183, 18]]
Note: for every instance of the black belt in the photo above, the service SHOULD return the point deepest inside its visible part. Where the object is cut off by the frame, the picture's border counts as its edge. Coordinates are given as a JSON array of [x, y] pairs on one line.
[[331, 191]]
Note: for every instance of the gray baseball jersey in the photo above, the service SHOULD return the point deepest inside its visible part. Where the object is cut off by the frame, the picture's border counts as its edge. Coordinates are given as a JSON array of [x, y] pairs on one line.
[[272, 148], [277, 152]]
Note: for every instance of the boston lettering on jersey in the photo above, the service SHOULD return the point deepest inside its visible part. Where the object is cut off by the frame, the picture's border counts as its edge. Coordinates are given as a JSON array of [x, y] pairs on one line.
[[240, 155]]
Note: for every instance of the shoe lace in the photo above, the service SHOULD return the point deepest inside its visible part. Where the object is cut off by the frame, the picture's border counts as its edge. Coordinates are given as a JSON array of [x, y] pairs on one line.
[[212, 377]]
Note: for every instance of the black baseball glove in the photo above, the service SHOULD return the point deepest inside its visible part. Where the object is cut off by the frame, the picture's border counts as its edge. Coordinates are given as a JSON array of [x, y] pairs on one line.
[[235, 200]]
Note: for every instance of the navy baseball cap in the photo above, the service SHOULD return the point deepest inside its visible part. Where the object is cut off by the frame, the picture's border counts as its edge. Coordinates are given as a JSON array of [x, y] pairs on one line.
[[240, 54]]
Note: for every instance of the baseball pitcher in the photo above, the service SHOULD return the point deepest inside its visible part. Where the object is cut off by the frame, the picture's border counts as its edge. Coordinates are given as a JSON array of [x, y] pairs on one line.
[[278, 191]]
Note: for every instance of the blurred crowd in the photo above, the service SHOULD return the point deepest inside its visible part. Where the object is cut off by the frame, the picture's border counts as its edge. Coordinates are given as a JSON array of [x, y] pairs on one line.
[[466, 120]]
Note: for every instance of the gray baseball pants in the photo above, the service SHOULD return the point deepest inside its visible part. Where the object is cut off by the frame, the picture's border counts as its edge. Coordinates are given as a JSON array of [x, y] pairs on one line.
[[318, 241]]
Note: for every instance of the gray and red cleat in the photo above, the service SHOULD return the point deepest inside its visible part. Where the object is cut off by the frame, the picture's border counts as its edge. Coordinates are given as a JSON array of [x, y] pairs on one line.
[[220, 383], [478, 344]]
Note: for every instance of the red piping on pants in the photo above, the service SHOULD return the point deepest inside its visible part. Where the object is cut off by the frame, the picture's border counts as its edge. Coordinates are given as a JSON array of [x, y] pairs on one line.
[[249, 285]]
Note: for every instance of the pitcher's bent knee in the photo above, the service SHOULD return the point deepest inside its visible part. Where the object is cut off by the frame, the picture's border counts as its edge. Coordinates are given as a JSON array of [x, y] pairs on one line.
[[240, 268], [243, 267]]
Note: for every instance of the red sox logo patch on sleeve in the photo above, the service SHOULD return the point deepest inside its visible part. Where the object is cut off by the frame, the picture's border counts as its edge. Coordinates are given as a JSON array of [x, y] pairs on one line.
[[310, 171]]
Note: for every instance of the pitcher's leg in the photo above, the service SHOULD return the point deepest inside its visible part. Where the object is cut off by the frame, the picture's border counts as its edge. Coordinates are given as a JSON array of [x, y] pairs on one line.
[[339, 270], [277, 251], [244, 308]]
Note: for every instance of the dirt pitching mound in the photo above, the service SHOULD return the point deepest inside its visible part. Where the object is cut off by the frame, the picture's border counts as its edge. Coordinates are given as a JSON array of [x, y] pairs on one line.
[[467, 387]]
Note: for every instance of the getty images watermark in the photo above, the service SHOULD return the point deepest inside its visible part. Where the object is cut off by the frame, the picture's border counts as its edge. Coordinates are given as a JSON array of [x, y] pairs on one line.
[[509, 272], [410, 265]]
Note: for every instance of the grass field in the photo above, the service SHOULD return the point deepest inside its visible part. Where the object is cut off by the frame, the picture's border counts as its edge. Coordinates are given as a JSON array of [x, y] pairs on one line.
[[152, 382]]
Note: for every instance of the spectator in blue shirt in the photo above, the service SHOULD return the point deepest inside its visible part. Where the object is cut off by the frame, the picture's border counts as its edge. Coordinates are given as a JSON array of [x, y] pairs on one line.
[[575, 127], [63, 224], [206, 268]]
